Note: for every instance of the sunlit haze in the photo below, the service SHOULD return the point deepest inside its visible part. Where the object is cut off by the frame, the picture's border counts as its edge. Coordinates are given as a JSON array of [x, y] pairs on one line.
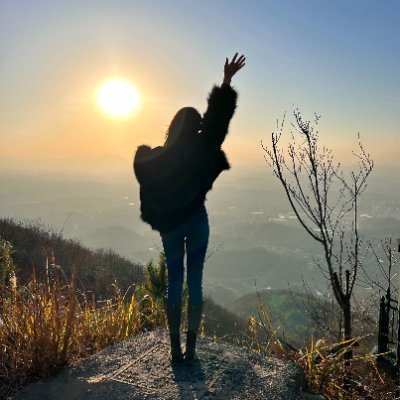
[[336, 59], [84, 83]]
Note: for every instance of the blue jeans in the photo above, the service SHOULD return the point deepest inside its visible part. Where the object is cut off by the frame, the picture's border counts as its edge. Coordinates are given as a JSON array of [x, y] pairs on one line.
[[193, 233]]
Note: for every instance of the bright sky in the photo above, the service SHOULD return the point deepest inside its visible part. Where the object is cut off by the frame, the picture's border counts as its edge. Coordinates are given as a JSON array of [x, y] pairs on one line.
[[339, 58]]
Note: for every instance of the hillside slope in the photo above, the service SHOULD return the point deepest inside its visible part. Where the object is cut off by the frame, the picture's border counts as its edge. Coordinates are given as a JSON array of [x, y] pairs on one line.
[[289, 312], [34, 246], [97, 270]]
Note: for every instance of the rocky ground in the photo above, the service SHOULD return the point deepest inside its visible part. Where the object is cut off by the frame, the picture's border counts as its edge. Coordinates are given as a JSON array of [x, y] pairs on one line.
[[139, 369]]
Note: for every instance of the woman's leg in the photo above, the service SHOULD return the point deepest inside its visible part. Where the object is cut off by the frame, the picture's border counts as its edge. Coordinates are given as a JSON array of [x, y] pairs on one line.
[[196, 248], [173, 243]]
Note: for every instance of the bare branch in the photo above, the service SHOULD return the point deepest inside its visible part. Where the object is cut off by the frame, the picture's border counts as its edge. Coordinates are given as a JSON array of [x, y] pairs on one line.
[[310, 178]]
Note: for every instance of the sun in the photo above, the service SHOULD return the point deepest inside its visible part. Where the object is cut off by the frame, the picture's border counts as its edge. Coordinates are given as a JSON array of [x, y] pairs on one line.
[[118, 97]]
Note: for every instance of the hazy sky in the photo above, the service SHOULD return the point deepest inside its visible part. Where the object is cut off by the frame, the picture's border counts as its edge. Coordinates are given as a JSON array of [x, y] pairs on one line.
[[339, 58]]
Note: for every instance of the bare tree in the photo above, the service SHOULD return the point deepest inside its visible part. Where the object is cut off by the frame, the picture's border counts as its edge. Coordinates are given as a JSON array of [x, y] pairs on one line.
[[325, 203], [386, 260]]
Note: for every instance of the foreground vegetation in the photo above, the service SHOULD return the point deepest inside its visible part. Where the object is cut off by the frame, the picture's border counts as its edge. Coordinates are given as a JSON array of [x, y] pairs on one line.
[[326, 369], [45, 325], [50, 320]]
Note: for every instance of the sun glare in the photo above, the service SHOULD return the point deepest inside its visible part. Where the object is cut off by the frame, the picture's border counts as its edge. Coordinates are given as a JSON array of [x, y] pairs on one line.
[[118, 98]]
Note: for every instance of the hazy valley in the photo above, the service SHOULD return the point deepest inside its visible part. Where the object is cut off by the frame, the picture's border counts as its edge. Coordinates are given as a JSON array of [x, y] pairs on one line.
[[256, 242]]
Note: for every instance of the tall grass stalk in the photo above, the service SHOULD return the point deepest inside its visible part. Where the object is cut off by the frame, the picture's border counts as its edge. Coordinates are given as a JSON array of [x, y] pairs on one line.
[[46, 324], [328, 373], [261, 335], [326, 369]]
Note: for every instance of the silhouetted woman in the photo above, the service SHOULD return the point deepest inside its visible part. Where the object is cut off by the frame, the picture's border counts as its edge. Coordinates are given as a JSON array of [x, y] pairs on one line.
[[174, 180]]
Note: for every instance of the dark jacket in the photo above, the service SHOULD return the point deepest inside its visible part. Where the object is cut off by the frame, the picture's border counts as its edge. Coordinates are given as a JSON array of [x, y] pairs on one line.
[[174, 181]]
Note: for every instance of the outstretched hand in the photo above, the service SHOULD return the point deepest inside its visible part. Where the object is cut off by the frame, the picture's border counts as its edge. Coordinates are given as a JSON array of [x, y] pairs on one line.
[[231, 67]]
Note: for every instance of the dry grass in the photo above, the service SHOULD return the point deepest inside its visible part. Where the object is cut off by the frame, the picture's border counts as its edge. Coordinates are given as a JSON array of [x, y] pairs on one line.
[[44, 325], [326, 371]]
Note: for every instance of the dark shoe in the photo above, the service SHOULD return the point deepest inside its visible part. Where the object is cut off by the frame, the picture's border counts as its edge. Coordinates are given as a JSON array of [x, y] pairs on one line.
[[174, 323], [194, 318], [176, 351], [190, 354]]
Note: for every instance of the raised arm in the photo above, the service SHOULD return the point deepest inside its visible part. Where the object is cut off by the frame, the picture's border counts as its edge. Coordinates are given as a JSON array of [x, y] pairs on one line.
[[221, 104], [231, 67]]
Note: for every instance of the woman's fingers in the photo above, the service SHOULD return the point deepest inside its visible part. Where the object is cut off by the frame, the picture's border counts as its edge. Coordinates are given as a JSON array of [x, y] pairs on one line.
[[240, 61], [231, 67]]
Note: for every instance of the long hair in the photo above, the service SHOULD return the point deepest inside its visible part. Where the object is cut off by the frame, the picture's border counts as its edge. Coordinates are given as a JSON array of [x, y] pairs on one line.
[[185, 124]]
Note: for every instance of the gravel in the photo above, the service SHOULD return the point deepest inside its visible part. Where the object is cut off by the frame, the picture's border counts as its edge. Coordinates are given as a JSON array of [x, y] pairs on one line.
[[139, 368]]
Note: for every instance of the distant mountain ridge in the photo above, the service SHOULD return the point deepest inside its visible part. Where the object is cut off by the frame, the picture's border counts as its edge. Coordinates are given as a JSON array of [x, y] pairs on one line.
[[90, 165]]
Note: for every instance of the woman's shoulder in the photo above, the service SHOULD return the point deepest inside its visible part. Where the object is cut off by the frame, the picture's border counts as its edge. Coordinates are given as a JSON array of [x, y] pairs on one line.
[[147, 163], [145, 152]]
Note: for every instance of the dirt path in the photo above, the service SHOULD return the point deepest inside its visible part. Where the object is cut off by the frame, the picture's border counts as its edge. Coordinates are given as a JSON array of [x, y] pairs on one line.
[[139, 369]]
